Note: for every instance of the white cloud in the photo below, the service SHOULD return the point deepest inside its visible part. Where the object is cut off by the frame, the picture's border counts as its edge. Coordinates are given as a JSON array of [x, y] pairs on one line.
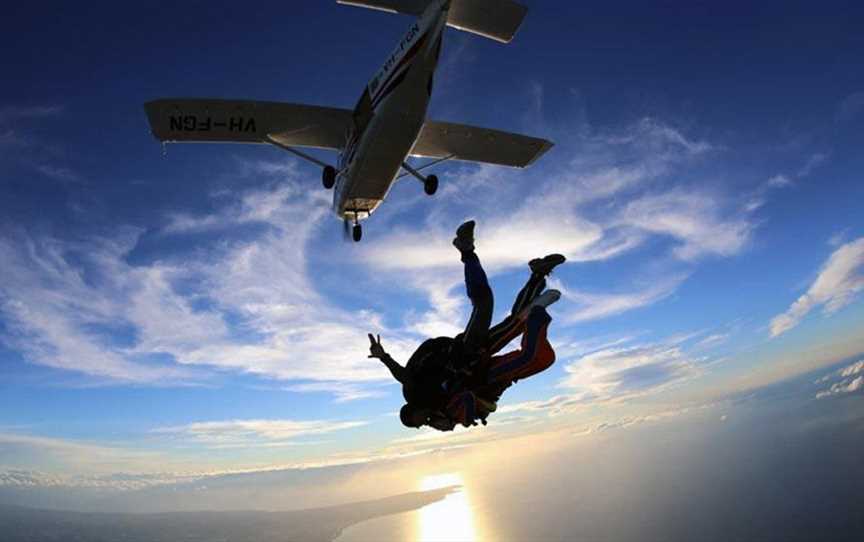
[[243, 433], [658, 137], [849, 379], [578, 348], [592, 306], [618, 373], [695, 220], [447, 303], [254, 206], [49, 305], [65, 302], [853, 369], [839, 281], [661, 132]]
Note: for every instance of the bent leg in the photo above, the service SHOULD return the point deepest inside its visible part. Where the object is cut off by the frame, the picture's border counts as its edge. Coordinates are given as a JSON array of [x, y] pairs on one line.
[[536, 354], [534, 287], [511, 327]]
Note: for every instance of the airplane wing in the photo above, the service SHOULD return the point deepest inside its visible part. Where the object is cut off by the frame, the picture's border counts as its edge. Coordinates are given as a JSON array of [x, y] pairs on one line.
[[472, 144], [242, 121]]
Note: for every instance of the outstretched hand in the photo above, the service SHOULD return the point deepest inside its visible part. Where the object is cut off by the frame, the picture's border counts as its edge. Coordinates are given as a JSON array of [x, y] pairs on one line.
[[375, 348]]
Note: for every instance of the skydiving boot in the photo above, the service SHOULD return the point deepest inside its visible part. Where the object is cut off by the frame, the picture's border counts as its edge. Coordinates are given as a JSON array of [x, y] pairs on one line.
[[543, 300], [543, 266], [464, 240]]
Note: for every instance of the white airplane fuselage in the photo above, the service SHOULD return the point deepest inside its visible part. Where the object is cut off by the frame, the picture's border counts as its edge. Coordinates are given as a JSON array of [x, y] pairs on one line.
[[389, 117]]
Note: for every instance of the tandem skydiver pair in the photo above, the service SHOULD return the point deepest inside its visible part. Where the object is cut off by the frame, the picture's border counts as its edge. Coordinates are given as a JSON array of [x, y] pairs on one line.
[[451, 381]]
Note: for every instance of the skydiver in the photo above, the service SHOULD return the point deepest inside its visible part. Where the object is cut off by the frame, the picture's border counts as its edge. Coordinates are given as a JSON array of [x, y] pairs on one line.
[[456, 380]]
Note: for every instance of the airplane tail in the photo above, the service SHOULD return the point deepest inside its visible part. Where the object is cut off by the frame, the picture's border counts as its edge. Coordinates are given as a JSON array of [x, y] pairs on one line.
[[494, 19]]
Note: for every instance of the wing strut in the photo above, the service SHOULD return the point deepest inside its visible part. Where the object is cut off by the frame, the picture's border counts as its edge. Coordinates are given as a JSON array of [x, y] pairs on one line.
[[301, 154], [414, 171]]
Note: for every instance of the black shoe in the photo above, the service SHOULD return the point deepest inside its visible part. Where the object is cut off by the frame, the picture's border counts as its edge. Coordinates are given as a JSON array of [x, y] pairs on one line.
[[464, 240], [544, 266]]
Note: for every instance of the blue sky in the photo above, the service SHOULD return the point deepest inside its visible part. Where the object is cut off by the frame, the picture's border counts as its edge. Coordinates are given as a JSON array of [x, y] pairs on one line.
[[198, 310]]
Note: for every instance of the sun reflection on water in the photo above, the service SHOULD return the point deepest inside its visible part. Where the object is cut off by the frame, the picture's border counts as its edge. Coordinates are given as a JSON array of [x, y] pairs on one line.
[[450, 519]]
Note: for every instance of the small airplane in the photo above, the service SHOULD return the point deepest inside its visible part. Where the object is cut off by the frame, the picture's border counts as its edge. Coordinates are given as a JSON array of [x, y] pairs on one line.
[[388, 123]]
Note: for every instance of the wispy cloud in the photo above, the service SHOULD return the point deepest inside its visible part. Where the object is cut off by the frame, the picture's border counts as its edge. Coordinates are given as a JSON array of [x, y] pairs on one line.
[[697, 221], [784, 180], [20, 145], [57, 173], [813, 161], [713, 340], [618, 373], [839, 281], [342, 391], [562, 214], [262, 205], [13, 113], [48, 304], [243, 433], [253, 308], [593, 306]]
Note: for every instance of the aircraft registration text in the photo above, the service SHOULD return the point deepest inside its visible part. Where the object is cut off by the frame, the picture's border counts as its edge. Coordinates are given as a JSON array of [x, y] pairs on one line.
[[192, 123]]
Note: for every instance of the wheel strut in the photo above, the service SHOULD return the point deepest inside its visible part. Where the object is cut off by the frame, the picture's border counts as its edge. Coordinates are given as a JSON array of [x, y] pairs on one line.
[[430, 183], [357, 230]]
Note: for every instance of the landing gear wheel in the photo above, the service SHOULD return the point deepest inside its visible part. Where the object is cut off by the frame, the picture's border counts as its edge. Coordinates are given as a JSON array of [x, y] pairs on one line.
[[357, 232], [328, 177], [430, 185]]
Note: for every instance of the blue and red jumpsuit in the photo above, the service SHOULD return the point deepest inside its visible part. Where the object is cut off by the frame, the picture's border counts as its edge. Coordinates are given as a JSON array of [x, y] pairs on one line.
[[480, 342]]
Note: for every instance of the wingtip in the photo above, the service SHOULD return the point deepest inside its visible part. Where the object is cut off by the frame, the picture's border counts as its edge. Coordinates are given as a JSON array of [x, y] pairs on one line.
[[152, 110], [545, 145]]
